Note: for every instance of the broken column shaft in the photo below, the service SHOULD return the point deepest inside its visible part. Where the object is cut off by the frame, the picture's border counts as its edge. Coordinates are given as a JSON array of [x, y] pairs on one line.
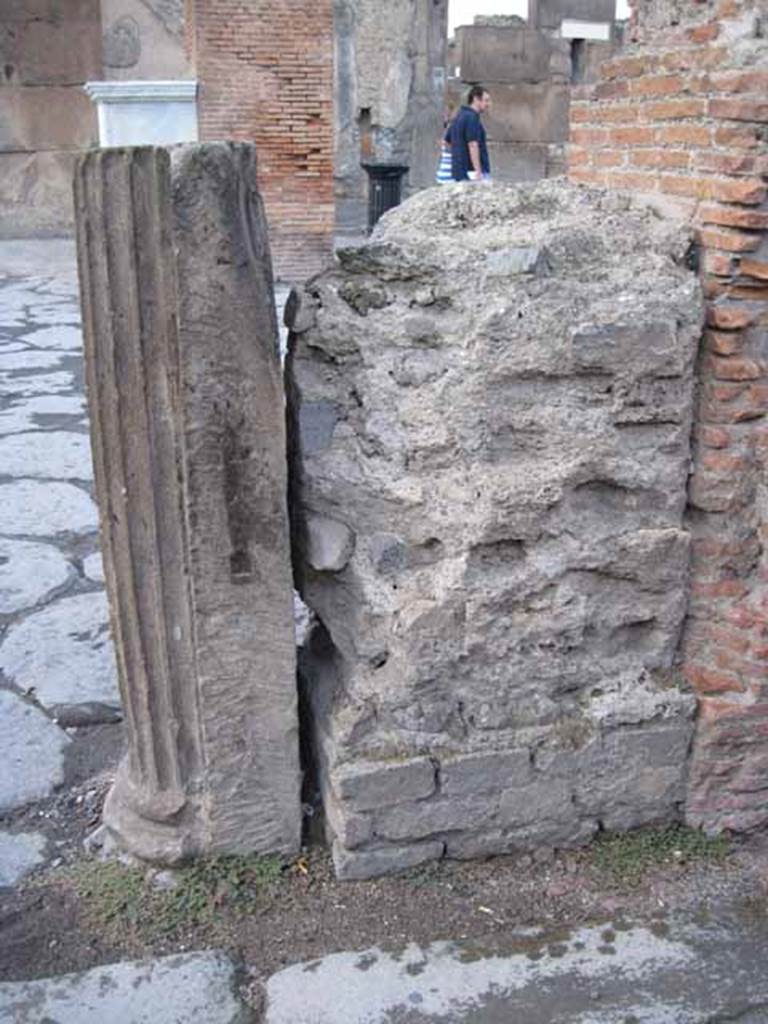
[[188, 439]]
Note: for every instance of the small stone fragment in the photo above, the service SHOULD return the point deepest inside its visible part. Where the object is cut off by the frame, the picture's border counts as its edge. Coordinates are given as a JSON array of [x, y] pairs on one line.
[[19, 854], [329, 544]]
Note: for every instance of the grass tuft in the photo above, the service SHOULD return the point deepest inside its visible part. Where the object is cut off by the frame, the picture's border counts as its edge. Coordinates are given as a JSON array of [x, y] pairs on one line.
[[627, 856], [112, 892]]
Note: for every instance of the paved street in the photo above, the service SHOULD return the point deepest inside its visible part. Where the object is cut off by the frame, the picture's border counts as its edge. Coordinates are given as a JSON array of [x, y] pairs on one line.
[[56, 661]]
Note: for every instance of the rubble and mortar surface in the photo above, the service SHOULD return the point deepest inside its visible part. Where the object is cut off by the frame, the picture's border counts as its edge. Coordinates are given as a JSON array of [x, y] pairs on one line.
[[490, 413]]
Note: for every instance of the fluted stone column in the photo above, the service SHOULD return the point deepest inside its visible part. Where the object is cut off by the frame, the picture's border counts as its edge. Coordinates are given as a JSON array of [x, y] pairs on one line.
[[187, 429]]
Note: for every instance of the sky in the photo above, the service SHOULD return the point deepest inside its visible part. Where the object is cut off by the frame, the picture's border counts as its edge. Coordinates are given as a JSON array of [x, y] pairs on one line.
[[461, 12]]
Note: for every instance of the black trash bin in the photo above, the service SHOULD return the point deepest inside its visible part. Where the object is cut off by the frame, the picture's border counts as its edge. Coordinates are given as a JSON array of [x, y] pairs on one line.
[[384, 189]]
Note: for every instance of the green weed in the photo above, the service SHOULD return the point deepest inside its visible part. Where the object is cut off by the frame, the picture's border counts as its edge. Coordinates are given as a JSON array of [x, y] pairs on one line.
[[627, 856], [202, 891]]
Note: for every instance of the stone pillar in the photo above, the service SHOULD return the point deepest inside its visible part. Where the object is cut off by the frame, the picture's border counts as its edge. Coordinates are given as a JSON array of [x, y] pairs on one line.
[[187, 431]]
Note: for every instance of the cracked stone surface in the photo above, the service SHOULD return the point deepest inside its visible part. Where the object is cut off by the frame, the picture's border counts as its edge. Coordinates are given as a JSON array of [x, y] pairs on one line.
[[64, 652], [30, 573], [195, 988], [31, 753], [19, 854], [55, 641]]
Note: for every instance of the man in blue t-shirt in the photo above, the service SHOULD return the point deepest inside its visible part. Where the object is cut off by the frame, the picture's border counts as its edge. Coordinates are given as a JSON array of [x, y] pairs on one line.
[[466, 137]]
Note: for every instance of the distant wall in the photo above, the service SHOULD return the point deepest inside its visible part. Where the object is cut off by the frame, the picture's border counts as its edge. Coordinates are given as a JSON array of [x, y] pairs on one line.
[[144, 39], [389, 83], [48, 49]]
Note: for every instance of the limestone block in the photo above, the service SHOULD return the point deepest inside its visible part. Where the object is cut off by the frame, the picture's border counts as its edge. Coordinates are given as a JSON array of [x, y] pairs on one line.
[[492, 55], [507, 430], [528, 112], [378, 785], [382, 860], [549, 13], [187, 421], [478, 773], [515, 162], [36, 193], [435, 817], [47, 117], [48, 49]]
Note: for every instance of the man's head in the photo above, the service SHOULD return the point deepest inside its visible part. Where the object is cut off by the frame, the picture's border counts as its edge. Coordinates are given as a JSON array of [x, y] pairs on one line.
[[479, 99]]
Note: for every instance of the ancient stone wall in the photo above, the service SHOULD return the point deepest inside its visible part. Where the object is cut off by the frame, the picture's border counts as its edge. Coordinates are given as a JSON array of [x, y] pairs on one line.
[[389, 94], [490, 411], [47, 50], [144, 39], [528, 75], [682, 115], [266, 75]]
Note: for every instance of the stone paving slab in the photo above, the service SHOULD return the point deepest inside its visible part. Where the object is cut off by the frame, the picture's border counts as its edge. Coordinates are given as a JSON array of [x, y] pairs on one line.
[[32, 748], [36, 413], [30, 574], [196, 988], [19, 854], [18, 386], [674, 972], [93, 567], [52, 455], [64, 652], [59, 336], [30, 508]]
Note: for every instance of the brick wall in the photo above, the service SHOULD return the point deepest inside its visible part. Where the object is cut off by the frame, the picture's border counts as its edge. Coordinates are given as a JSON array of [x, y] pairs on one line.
[[266, 75], [683, 113]]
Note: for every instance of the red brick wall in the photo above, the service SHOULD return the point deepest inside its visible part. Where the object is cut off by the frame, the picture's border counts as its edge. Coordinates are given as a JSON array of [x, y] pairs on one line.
[[266, 75], [683, 112]]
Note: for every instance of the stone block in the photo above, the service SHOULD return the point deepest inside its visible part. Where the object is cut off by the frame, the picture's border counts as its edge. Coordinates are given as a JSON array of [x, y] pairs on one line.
[[47, 118], [351, 865], [546, 800], [329, 544], [548, 14], [183, 380], [515, 162], [365, 786], [492, 55], [300, 311], [481, 773], [51, 49], [649, 349], [36, 194], [197, 988], [528, 112], [351, 829], [477, 845], [433, 817]]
